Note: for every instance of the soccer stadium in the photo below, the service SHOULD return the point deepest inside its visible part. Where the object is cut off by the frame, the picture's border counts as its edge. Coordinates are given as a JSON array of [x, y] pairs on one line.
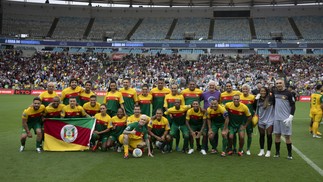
[[78, 79]]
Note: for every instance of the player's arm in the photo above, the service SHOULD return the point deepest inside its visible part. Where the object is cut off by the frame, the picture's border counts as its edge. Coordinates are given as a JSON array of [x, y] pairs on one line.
[[164, 135], [187, 122], [153, 134], [104, 131], [292, 104], [208, 122], [135, 98], [226, 123], [248, 114], [148, 147], [84, 114], [63, 95], [203, 126], [129, 130], [321, 99]]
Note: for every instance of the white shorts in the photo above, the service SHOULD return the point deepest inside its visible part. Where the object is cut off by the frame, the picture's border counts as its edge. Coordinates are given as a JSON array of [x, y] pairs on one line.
[[281, 128], [265, 125]]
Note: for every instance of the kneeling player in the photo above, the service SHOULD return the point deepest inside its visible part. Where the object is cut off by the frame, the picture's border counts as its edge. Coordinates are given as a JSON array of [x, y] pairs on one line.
[[158, 130], [32, 119], [118, 124], [135, 135], [195, 121], [102, 128]]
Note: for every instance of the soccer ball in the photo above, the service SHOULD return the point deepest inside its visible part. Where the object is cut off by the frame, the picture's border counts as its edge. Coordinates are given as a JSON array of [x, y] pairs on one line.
[[137, 152]]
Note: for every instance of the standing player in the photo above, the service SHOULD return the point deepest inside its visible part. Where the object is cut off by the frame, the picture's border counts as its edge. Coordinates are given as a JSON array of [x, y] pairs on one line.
[[227, 95], [158, 95], [217, 118], [113, 99], [178, 116], [92, 107], [136, 136], [102, 128], [54, 109], [191, 93], [248, 99], [195, 121], [145, 100], [210, 95], [72, 91], [284, 113], [316, 110], [207, 97], [48, 96], [87, 93], [237, 113], [265, 111], [118, 124], [72, 110], [32, 119], [158, 130], [170, 102], [129, 95]]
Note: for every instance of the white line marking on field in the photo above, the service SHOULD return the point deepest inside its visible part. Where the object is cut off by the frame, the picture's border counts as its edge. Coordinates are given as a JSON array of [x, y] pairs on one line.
[[306, 159]]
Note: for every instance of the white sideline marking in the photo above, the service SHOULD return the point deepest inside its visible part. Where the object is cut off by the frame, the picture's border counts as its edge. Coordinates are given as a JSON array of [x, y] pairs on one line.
[[306, 159]]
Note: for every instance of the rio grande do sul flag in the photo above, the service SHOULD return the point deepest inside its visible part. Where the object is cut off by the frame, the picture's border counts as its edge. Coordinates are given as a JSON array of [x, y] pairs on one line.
[[72, 134]]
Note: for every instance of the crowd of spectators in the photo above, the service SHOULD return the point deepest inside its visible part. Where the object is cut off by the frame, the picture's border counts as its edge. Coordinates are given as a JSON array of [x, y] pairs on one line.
[[302, 72]]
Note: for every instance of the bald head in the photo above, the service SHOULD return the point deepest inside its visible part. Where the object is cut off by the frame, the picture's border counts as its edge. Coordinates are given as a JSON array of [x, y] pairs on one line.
[[50, 87]]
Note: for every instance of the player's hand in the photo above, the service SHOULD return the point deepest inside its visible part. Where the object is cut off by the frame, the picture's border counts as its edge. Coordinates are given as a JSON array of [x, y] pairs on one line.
[[96, 132], [288, 121], [257, 96], [193, 134], [224, 132], [133, 132], [163, 138], [150, 154], [210, 132], [159, 139], [29, 135], [153, 117], [198, 134]]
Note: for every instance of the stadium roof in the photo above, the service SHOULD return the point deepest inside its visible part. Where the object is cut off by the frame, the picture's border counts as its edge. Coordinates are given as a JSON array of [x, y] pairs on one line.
[[205, 3]]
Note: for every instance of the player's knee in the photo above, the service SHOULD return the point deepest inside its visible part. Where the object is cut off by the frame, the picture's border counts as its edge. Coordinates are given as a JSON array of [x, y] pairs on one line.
[[168, 138], [211, 136], [141, 145], [23, 136]]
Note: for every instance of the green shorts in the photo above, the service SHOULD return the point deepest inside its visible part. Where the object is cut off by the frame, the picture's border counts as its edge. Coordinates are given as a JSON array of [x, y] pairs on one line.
[[32, 125], [101, 137], [174, 130], [234, 130], [198, 128], [216, 127]]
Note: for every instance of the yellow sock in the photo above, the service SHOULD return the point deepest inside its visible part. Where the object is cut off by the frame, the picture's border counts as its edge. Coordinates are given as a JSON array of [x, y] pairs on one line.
[[125, 149], [315, 127]]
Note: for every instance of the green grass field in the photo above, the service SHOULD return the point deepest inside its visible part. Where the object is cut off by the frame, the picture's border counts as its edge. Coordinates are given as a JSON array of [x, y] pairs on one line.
[[175, 166]]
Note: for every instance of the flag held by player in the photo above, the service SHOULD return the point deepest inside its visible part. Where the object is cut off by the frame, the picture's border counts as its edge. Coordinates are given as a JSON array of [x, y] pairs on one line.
[[70, 134]]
